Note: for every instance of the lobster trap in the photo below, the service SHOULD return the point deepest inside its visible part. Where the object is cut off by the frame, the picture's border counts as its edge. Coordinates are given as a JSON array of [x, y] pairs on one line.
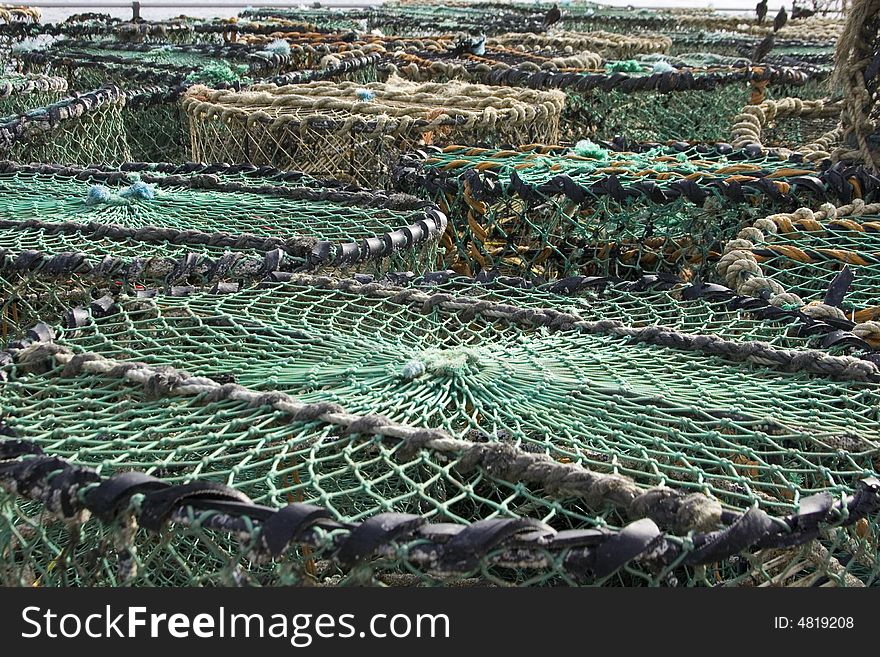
[[384, 405], [551, 212], [655, 99], [354, 133]]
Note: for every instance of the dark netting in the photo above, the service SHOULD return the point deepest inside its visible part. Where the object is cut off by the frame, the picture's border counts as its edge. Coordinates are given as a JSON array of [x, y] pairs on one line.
[[558, 211], [510, 430]]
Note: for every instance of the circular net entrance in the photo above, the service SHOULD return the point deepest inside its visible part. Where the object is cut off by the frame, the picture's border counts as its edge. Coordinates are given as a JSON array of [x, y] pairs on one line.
[[454, 409]]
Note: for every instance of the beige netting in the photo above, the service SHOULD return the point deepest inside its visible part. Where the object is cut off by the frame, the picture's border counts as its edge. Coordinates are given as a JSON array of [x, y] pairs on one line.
[[610, 44], [354, 132], [16, 14]]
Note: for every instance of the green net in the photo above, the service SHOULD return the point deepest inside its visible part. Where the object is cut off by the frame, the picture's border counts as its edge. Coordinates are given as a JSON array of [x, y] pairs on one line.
[[244, 62], [506, 418], [823, 262], [355, 133], [66, 230], [79, 129], [155, 128], [588, 209], [654, 300], [289, 214], [20, 93], [643, 101]]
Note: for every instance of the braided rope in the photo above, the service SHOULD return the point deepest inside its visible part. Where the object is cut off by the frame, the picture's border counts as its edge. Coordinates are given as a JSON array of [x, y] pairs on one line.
[[31, 84], [749, 125], [790, 360], [397, 105], [14, 14], [855, 57], [741, 271]]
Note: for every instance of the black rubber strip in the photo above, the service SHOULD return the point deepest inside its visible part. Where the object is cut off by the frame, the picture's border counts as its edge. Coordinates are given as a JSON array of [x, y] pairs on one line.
[[750, 528], [632, 541], [105, 500], [288, 524], [158, 505], [374, 532], [464, 551]]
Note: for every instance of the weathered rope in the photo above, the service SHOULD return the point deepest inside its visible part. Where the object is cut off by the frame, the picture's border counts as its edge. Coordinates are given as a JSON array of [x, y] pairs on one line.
[[789, 360], [748, 126], [740, 269], [855, 69]]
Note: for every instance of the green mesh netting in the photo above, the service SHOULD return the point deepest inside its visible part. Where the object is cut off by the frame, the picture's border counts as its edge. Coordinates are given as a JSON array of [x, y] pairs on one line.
[[166, 225], [321, 224], [503, 382], [20, 93], [552, 211], [242, 61], [808, 255], [76, 130], [785, 52], [697, 103], [695, 308]]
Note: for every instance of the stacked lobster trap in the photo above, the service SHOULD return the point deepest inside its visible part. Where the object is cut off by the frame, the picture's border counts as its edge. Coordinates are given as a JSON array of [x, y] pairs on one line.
[[651, 97], [440, 294], [552, 212]]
